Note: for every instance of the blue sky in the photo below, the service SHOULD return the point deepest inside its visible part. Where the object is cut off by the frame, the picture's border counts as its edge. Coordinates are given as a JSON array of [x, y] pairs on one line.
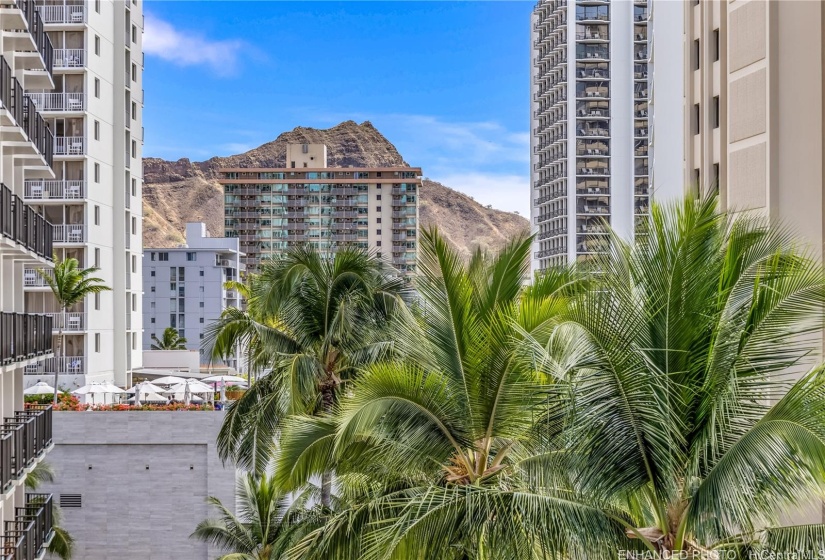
[[446, 82]]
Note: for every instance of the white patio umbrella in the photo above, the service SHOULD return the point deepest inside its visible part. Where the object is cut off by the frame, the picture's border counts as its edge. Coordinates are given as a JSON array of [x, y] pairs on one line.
[[146, 386], [187, 394], [39, 388], [93, 388], [194, 386], [223, 379], [142, 390], [181, 396], [147, 397], [169, 380]]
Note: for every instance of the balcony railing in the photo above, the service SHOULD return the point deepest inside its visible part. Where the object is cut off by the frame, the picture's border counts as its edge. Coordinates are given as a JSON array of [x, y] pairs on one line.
[[69, 145], [74, 321], [69, 12], [37, 30], [69, 58], [26, 537], [65, 365], [70, 101], [39, 189], [69, 233], [23, 438], [24, 336], [24, 112], [33, 278], [23, 225]]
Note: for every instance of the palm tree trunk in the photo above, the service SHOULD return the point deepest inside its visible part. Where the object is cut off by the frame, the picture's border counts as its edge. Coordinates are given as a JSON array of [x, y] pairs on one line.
[[327, 401], [59, 355]]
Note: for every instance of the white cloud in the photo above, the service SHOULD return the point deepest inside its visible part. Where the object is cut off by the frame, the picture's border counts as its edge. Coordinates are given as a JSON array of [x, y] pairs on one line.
[[187, 48], [502, 191]]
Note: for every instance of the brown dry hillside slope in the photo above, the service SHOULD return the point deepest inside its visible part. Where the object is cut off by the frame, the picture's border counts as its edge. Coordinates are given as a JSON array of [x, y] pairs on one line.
[[176, 192]]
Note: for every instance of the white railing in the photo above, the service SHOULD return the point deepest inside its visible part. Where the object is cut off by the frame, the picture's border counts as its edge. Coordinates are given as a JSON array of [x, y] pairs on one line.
[[39, 189], [67, 13], [74, 321], [69, 233], [31, 277], [59, 101], [65, 364], [69, 145], [69, 58]]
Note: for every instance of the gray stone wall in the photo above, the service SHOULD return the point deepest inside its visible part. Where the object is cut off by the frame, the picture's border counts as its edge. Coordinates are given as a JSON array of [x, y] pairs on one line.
[[143, 478]]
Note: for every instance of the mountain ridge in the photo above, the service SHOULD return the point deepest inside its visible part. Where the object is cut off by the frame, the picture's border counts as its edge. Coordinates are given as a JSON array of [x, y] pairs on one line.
[[175, 192]]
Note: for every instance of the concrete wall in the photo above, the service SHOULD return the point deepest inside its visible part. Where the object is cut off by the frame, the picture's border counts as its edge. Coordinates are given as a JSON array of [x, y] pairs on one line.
[[143, 481]]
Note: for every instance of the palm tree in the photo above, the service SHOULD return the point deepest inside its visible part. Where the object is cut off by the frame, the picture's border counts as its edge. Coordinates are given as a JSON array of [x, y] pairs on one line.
[[70, 285], [438, 436], [171, 340], [267, 525], [311, 320], [62, 543]]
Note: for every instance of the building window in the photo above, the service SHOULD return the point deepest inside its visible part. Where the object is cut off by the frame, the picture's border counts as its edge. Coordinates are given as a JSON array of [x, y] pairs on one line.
[[134, 72], [151, 256], [201, 289], [134, 34], [152, 320], [695, 118], [163, 256], [201, 319], [134, 302], [97, 88], [97, 257], [696, 54], [134, 226], [152, 305], [152, 289], [152, 273], [134, 149], [97, 301], [191, 256], [717, 46], [201, 272], [97, 6], [134, 264], [378, 174], [378, 232], [97, 173], [134, 110], [97, 45], [97, 342], [134, 341], [716, 177], [377, 208], [378, 254], [97, 215], [715, 112], [378, 243], [97, 130], [378, 197], [201, 304], [134, 187]]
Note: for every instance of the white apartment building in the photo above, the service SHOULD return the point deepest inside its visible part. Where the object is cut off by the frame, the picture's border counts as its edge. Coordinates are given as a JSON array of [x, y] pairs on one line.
[[591, 109], [26, 57], [184, 287], [94, 198]]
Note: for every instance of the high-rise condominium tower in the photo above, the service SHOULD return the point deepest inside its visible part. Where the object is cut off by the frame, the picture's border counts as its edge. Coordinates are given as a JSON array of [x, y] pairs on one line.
[[754, 87], [592, 132], [94, 200], [327, 207], [26, 58]]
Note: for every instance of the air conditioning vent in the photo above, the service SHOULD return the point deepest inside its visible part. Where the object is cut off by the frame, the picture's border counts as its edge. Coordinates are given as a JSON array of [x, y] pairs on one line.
[[70, 500]]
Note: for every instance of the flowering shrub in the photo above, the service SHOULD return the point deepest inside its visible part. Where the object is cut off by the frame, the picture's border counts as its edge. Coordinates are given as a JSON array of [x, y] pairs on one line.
[[118, 407], [65, 401]]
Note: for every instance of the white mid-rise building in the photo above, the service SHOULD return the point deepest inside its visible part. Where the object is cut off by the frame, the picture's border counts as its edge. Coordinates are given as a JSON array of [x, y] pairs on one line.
[[185, 287], [94, 199], [592, 129]]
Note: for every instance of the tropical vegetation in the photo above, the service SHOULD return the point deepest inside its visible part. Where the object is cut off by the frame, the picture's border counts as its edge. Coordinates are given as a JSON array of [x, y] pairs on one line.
[[70, 284], [170, 340], [62, 543], [666, 400]]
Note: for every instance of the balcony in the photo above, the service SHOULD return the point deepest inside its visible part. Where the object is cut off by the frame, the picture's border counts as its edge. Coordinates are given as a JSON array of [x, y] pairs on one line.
[[69, 365], [68, 12], [24, 336], [69, 145], [69, 233], [73, 321], [27, 536], [56, 191], [69, 58], [23, 225], [24, 438], [33, 278], [34, 23], [24, 112], [59, 102]]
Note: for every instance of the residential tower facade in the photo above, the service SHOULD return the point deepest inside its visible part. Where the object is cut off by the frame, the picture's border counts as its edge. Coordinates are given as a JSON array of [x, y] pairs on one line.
[[26, 143], [591, 139], [269, 210], [94, 199]]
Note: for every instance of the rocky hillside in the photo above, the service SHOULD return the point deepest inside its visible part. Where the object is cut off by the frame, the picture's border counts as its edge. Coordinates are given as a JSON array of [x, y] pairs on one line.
[[176, 192]]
